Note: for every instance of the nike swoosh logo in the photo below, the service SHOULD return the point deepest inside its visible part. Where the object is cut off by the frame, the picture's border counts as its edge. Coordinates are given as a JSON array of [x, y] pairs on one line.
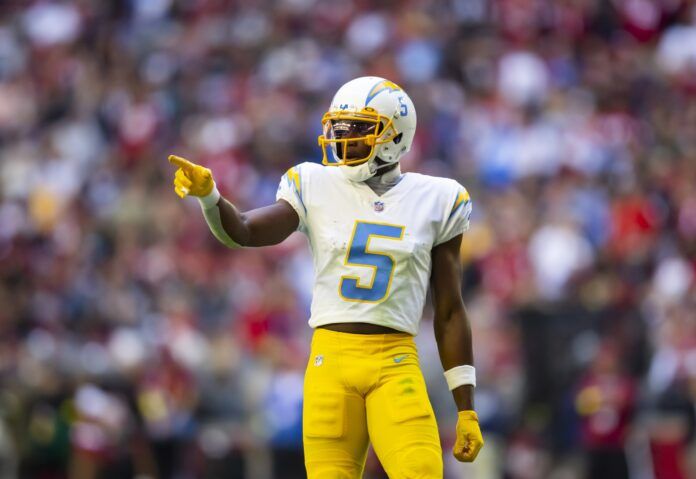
[[398, 359]]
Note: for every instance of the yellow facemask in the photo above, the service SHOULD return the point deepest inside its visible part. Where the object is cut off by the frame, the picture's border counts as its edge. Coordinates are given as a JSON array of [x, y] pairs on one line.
[[381, 126]]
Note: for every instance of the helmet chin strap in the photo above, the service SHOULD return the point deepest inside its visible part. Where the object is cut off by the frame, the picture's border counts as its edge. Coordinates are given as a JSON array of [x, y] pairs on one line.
[[387, 172]]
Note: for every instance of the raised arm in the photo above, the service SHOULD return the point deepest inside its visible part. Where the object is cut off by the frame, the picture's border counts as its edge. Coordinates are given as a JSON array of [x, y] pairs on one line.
[[453, 336], [260, 227]]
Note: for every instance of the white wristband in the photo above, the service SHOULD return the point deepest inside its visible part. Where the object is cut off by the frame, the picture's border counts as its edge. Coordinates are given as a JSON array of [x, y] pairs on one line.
[[460, 376], [211, 199]]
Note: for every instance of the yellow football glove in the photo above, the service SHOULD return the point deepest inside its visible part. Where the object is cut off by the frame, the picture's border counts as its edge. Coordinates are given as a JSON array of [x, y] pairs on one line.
[[469, 440], [191, 179]]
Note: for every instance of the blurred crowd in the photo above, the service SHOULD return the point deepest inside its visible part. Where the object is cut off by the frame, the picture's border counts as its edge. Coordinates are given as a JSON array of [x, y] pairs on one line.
[[132, 344]]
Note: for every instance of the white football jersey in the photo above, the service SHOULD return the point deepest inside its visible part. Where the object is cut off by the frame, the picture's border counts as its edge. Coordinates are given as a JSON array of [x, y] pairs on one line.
[[372, 253]]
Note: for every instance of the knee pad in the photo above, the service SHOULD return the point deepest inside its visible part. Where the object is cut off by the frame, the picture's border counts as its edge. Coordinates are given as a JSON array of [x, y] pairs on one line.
[[418, 463]]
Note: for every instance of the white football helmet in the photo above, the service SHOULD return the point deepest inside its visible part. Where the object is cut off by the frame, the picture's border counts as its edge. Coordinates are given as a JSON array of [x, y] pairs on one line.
[[372, 110]]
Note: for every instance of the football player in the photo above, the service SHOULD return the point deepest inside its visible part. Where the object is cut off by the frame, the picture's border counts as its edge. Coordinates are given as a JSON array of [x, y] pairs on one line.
[[379, 237]]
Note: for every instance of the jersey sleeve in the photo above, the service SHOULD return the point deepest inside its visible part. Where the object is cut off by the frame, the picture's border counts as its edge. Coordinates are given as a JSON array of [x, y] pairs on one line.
[[292, 187], [457, 215]]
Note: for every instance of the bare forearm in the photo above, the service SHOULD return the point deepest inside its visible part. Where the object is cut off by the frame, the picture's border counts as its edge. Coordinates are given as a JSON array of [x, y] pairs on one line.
[[264, 226], [234, 222], [453, 336]]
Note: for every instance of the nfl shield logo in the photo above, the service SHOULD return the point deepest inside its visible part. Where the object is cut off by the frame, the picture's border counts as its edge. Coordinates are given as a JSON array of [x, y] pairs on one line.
[[319, 360], [379, 206]]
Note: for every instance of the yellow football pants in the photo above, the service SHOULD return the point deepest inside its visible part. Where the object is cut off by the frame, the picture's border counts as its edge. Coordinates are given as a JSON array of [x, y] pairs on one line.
[[362, 388]]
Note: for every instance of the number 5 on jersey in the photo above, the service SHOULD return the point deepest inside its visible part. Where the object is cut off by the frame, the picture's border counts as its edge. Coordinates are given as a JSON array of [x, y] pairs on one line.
[[359, 254]]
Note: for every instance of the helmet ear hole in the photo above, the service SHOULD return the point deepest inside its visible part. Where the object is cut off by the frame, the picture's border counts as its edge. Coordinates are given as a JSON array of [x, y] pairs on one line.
[[397, 138]]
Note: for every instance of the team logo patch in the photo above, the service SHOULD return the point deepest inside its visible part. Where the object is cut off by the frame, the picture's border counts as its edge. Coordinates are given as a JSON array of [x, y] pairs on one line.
[[318, 360], [384, 85], [379, 206]]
